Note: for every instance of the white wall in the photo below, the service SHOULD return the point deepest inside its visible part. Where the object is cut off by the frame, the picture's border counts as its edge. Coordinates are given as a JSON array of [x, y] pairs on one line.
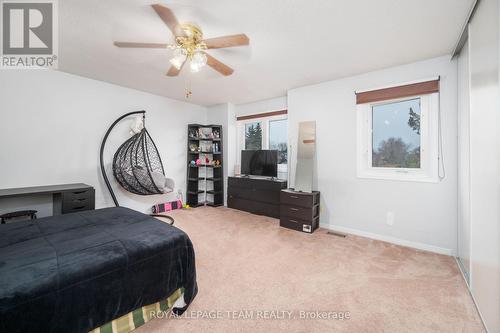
[[485, 161], [268, 105], [425, 213], [223, 114], [52, 124]]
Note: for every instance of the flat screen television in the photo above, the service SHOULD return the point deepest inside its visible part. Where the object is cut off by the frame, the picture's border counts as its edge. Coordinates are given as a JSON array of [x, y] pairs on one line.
[[259, 163]]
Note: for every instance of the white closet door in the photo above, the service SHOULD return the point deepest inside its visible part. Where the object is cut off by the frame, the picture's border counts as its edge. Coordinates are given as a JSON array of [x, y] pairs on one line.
[[485, 161], [463, 161]]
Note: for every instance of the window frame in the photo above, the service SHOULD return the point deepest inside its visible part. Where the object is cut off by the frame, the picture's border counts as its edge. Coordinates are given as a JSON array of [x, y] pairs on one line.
[[264, 121], [429, 133]]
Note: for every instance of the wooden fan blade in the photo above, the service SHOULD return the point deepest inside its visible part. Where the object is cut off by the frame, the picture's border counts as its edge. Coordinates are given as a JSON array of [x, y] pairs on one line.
[[168, 18], [174, 71], [227, 41], [141, 45], [218, 66]]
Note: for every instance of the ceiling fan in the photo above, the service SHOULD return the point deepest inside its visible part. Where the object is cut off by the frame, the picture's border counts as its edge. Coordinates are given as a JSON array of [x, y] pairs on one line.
[[190, 45]]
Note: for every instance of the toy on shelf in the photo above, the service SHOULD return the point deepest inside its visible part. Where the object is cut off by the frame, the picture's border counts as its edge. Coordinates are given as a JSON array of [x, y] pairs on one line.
[[198, 161], [205, 133], [193, 133]]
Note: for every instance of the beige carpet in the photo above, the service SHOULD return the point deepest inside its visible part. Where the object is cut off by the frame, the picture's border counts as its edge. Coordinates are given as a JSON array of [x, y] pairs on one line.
[[248, 263]]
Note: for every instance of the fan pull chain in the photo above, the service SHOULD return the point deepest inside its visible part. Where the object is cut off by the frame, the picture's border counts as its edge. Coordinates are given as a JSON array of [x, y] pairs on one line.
[[189, 93]]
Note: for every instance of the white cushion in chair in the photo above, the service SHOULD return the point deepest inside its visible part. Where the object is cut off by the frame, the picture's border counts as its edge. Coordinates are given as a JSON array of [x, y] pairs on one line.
[[166, 185]]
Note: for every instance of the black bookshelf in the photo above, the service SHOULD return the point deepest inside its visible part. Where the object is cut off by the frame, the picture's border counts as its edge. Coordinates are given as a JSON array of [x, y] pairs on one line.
[[205, 181]]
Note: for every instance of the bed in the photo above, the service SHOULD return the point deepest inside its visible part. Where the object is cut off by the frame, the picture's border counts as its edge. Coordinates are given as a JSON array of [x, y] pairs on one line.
[[80, 272]]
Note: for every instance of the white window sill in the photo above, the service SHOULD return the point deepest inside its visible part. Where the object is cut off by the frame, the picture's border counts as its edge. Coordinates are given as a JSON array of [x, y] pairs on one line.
[[398, 176]]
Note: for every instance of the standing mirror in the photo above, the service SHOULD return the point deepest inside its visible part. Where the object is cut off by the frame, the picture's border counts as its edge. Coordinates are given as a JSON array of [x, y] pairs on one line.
[[306, 149]]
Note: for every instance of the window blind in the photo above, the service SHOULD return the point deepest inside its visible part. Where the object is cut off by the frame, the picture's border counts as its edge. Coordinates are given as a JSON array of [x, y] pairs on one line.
[[262, 115], [414, 89]]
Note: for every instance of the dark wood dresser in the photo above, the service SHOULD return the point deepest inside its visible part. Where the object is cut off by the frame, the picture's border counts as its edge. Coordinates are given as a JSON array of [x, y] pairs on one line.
[[255, 195], [299, 210]]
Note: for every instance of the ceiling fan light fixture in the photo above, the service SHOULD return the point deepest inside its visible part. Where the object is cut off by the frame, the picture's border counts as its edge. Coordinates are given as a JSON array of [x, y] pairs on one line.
[[178, 58], [190, 45], [198, 61]]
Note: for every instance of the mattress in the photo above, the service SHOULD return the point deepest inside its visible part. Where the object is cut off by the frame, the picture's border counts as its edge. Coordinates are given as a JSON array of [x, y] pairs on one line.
[[77, 272]]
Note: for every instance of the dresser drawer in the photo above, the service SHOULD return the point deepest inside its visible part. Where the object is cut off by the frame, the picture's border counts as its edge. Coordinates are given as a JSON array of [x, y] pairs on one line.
[[301, 199], [259, 208], [67, 209], [77, 195], [303, 213], [300, 225], [272, 197], [256, 183]]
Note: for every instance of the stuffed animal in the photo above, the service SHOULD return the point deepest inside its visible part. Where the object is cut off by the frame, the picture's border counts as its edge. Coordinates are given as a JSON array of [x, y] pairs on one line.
[[198, 161]]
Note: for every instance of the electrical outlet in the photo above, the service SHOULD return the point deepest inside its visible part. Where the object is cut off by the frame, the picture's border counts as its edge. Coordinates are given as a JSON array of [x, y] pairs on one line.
[[390, 218]]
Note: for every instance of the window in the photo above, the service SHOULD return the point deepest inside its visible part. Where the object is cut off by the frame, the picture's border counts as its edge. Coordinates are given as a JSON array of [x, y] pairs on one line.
[[266, 131], [253, 136], [396, 134], [398, 139]]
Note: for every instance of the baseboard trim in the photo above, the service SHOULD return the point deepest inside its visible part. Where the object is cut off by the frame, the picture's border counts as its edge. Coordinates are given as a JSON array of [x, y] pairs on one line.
[[393, 240]]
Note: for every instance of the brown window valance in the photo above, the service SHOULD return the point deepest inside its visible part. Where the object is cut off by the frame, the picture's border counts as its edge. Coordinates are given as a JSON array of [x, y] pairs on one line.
[[262, 115], [414, 89]]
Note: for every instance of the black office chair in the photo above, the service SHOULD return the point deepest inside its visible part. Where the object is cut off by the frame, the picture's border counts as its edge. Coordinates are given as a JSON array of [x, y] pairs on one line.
[[20, 213]]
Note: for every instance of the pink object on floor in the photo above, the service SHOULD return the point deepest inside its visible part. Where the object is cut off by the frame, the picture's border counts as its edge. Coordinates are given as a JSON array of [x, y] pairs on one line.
[[167, 206]]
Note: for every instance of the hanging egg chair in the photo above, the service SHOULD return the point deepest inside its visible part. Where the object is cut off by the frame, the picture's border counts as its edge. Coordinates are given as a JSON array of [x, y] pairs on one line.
[[137, 165]]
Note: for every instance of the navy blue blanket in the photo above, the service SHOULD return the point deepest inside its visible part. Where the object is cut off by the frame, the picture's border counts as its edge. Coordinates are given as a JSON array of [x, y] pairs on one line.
[[75, 272]]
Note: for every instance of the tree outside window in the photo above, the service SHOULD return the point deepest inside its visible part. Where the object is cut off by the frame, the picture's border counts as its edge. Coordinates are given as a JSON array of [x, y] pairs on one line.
[[253, 136], [396, 134]]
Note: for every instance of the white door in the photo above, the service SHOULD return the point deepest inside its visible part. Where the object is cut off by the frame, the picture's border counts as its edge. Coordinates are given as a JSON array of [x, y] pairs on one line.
[[464, 161]]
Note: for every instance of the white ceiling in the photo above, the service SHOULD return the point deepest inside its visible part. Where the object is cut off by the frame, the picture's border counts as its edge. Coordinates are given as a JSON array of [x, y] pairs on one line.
[[292, 42]]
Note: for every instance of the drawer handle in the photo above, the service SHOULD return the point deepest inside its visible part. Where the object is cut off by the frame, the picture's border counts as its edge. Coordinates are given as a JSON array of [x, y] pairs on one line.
[[294, 209], [294, 197], [79, 207], [80, 200], [79, 192], [293, 221]]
